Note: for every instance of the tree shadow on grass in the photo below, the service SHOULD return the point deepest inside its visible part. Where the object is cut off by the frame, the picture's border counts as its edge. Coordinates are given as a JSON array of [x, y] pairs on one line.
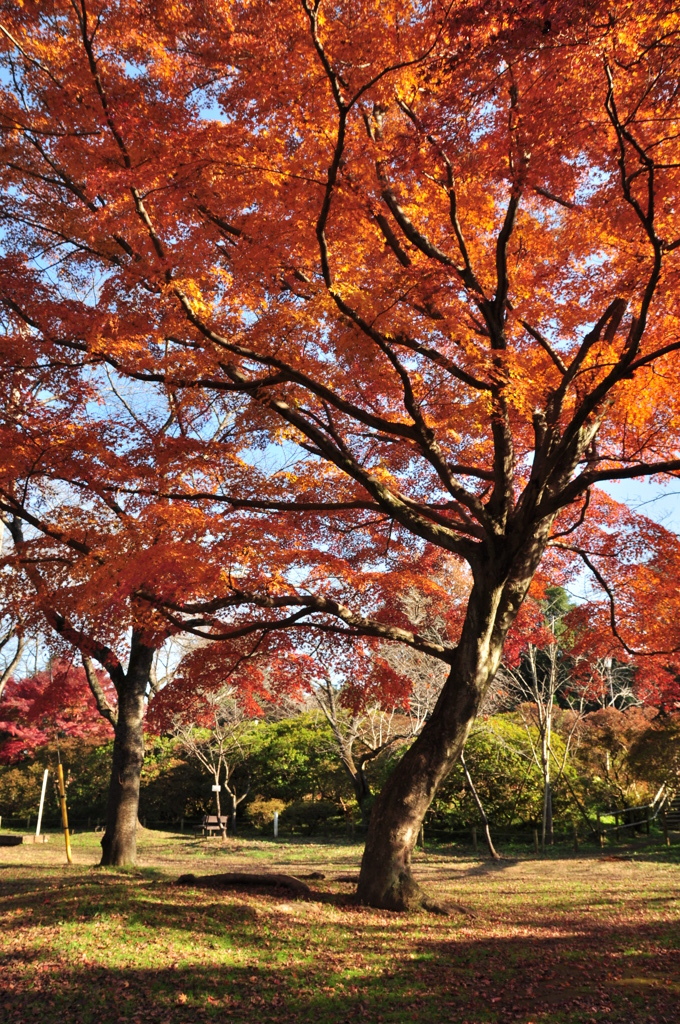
[[615, 975], [145, 901], [206, 955], [489, 867]]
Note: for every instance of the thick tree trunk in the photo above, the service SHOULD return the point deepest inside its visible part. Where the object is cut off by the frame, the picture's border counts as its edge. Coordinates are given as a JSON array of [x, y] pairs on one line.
[[119, 843], [385, 879], [397, 816], [502, 575]]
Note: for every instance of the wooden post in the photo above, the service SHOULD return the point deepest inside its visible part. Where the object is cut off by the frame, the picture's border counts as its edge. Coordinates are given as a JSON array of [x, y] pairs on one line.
[[474, 839], [575, 839], [64, 814], [664, 825], [536, 841], [181, 824], [42, 802], [421, 838], [276, 824], [647, 820], [616, 819], [600, 833]]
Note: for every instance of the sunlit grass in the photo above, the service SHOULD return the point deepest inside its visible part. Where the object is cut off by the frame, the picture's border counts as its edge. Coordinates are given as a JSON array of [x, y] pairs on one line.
[[552, 941]]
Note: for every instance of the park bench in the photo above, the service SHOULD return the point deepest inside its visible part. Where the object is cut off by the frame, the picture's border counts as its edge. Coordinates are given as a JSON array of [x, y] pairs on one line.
[[211, 823]]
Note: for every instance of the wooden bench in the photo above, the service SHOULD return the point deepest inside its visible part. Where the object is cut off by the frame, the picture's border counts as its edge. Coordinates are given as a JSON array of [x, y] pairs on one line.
[[211, 823]]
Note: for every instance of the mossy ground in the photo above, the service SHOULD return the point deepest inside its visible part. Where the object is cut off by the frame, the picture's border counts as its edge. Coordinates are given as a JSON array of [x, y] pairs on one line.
[[563, 940]]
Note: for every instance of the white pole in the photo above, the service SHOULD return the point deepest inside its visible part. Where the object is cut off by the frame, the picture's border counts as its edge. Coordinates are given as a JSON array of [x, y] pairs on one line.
[[42, 801], [276, 824]]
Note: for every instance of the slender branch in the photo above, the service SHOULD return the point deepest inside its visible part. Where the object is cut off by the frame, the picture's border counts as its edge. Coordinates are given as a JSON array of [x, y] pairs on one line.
[[583, 555], [105, 709]]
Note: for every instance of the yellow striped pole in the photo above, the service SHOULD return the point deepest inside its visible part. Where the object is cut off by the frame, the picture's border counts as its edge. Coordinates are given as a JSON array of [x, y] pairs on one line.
[[64, 815]]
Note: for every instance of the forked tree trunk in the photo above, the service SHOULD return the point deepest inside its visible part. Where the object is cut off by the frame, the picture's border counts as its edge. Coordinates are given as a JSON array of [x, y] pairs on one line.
[[235, 801], [119, 843]]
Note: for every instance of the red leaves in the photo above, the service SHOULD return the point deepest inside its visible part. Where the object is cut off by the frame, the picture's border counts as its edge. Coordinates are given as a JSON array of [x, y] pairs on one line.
[[58, 702], [529, 628], [350, 297]]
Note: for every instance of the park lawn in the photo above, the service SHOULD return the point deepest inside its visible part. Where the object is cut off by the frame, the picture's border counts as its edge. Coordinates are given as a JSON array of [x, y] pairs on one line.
[[565, 940]]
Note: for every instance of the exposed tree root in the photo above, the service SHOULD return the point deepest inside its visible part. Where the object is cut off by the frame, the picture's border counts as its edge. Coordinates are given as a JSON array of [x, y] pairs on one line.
[[406, 896], [412, 902], [447, 909], [243, 879]]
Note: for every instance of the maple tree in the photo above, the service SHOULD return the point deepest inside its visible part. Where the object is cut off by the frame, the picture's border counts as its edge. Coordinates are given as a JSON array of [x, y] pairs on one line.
[[79, 560], [74, 566], [124, 648], [426, 259], [47, 706], [608, 735], [625, 636]]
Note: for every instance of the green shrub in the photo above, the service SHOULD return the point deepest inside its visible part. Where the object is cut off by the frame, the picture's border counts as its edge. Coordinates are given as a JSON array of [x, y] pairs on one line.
[[295, 757], [310, 815], [260, 813], [87, 767]]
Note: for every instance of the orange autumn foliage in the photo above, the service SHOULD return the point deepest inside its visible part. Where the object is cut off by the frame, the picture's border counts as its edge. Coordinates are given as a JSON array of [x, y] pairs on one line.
[[382, 289]]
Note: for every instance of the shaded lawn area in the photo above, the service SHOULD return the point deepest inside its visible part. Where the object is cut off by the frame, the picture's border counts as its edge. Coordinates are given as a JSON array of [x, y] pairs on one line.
[[570, 940]]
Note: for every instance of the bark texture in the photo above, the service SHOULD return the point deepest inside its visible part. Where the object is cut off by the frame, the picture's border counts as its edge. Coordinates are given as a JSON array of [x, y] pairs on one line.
[[501, 581], [119, 842], [386, 879]]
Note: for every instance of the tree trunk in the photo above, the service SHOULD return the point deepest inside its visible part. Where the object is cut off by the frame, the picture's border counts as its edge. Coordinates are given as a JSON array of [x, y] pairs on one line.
[[385, 880], [362, 792], [221, 824], [119, 843], [397, 815], [502, 575], [548, 829]]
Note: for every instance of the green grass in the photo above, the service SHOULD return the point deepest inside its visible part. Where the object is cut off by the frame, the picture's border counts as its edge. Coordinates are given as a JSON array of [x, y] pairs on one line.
[[554, 941]]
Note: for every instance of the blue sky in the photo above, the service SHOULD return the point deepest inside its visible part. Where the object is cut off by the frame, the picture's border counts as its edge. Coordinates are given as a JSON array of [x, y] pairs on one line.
[[660, 502]]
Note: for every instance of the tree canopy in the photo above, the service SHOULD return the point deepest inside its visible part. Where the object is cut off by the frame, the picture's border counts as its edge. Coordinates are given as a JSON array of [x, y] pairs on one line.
[[379, 289]]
